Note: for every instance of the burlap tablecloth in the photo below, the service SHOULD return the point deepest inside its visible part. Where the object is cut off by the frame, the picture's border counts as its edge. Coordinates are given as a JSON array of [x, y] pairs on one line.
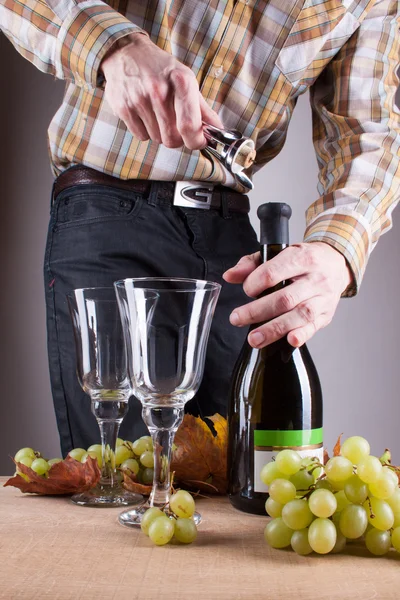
[[51, 549]]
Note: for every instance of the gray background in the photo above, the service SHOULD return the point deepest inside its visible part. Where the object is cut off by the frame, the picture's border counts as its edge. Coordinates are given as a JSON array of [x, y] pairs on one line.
[[356, 356]]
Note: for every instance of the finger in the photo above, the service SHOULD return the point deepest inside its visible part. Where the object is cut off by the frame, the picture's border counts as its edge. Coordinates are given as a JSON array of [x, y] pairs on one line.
[[187, 109], [291, 262], [309, 313], [242, 269], [209, 115], [300, 336], [135, 126], [273, 305], [163, 108], [147, 115]]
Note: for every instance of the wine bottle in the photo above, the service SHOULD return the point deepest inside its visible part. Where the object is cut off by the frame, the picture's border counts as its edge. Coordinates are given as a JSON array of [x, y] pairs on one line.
[[276, 398]]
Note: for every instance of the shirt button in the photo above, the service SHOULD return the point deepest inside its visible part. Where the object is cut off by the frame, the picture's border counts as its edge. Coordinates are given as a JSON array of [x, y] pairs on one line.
[[218, 71]]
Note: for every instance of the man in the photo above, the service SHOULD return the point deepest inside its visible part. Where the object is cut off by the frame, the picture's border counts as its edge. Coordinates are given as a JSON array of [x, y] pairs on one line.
[[142, 77]]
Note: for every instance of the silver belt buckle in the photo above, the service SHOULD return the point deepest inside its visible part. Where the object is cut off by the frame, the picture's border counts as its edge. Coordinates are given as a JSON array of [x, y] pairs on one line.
[[193, 194]]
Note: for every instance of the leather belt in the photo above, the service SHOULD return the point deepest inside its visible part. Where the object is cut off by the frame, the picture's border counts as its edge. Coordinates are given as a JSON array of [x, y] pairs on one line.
[[190, 194]]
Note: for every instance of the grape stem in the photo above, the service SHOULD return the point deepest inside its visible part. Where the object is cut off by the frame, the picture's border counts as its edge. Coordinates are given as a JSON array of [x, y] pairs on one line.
[[371, 513]]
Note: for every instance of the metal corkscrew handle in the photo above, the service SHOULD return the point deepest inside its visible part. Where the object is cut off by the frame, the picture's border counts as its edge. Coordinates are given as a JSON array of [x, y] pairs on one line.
[[234, 151]]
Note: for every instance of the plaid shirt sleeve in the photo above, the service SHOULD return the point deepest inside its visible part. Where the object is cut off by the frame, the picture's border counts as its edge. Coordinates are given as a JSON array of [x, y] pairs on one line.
[[357, 140], [66, 38]]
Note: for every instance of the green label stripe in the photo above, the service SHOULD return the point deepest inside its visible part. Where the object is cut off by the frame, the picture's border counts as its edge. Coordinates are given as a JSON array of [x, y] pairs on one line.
[[303, 437]]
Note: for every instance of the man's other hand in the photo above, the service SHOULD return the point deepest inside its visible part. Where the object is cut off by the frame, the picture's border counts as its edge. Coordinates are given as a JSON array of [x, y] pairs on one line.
[[318, 275]]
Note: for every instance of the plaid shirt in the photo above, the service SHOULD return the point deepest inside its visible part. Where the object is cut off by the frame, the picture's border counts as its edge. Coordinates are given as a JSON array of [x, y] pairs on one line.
[[252, 59]]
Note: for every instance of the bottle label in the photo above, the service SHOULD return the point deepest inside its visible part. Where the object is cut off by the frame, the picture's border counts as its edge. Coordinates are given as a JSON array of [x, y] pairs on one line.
[[267, 444]]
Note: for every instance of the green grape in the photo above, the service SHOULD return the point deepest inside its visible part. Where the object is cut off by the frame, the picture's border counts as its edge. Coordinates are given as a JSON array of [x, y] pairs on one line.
[[323, 484], [140, 446], [394, 501], [342, 500], [396, 538], [382, 516], [96, 449], [384, 487], [130, 464], [54, 461], [96, 456], [277, 534], [322, 536], [274, 509], [378, 542], [282, 491], [353, 521], [24, 452], [26, 460], [40, 466], [119, 442], [340, 541], [299, 542], [355, 448], [182, 504], [302, 480], [392, 474], [185, 530], [288, 461], [338, 469], [147, 459], [322, 503], [161, 530], [149, 516], [77, 453], [269, 472], [147, 476], [20, 474], [149, 441], [296, 514], [336, 518], [122, 453], [396, 521], [356, 490], [337, 486], [369, 469], [84, 457]]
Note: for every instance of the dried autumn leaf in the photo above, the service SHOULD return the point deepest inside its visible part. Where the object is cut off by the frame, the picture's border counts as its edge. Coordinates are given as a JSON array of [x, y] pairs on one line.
[[337, 446], [132, 485], [200, 458], [66, 477]]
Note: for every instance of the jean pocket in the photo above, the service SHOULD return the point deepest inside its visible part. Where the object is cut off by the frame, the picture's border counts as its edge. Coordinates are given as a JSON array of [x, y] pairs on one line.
[[320, 31], [77, 206]]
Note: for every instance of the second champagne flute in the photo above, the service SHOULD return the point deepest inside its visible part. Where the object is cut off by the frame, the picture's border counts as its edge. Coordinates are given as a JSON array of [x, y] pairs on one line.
[[166, 323]]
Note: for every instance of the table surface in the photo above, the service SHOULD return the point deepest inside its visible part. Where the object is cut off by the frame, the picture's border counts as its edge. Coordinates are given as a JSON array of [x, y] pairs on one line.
[[50, 548]]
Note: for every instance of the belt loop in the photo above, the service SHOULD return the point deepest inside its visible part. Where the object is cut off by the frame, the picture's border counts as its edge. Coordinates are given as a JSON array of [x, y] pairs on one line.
[[224, 205], [153, 195]]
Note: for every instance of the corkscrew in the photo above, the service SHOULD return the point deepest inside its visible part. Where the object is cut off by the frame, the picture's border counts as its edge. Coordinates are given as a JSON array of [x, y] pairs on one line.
[[233, 150]]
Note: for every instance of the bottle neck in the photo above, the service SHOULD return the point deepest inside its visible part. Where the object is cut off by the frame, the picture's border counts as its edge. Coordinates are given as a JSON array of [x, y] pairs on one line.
[[268, 252]]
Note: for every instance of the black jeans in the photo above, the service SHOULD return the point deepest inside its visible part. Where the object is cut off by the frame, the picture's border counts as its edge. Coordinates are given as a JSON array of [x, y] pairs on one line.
[[100, 234]]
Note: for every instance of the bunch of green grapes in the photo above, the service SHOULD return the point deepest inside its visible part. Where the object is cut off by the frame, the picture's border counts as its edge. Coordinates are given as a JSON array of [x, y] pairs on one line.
[[176, 523], [355, 496], [133, 457]]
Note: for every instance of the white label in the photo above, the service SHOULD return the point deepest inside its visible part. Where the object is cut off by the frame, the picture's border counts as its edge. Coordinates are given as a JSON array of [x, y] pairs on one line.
[[262, 457]]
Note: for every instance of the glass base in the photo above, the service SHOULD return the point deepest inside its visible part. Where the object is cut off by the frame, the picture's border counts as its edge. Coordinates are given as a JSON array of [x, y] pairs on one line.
[[133, 517], [101, 496]]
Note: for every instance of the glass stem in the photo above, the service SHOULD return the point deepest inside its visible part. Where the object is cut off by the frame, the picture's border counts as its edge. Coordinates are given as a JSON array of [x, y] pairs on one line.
[[109, 415], [162, 423], [109, 433]]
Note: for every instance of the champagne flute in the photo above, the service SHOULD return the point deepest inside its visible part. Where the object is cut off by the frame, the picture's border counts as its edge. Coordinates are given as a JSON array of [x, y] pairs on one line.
[[101, 361], [166, 323]]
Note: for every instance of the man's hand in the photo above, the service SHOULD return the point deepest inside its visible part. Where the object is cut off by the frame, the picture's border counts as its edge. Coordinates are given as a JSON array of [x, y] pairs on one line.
[[318, 275], [156, 96]]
